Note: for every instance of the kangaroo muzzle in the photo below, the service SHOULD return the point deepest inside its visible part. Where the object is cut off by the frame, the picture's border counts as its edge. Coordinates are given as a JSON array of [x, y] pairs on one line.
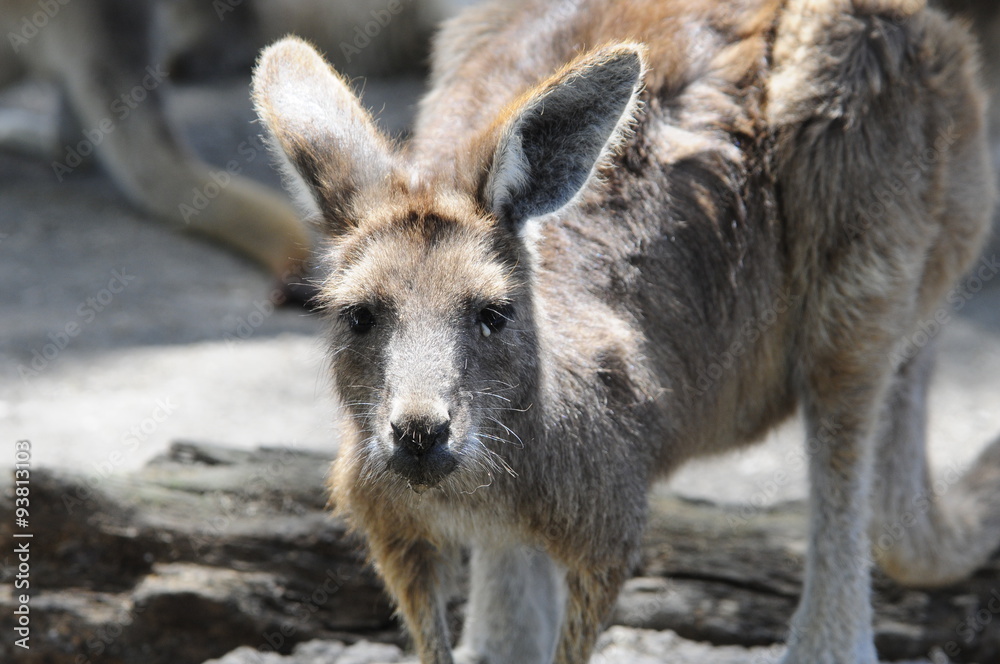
[[421, 453]]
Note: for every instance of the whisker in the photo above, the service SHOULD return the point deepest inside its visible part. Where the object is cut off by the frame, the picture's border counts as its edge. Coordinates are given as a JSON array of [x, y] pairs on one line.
[[496, 438], [507, 429], [491, 394]]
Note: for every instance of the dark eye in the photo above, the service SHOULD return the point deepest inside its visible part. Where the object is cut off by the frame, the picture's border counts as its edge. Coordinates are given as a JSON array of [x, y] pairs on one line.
[[494, 318], [360, 319]]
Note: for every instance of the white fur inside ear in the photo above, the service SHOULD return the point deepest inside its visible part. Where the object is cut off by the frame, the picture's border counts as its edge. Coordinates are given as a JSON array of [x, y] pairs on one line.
[[560, 135], [510, 173], [327, 145], [302, 195]]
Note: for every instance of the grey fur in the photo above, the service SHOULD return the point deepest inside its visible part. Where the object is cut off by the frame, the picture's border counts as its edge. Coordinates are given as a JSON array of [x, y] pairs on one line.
[[802, 186]]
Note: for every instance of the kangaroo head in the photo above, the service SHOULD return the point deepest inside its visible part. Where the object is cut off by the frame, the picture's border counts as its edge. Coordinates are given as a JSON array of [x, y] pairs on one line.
[[433, 321]]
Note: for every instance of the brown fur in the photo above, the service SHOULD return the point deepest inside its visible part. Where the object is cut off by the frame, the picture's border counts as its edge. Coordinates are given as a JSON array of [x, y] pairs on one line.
[[728, 263]]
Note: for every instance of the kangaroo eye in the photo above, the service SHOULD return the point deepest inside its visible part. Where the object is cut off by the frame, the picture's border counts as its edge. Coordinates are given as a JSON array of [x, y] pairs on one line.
[[360, 319], [494, 318]]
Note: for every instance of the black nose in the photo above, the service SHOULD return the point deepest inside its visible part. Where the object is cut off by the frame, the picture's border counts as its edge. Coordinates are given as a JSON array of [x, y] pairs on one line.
[[418, 437]]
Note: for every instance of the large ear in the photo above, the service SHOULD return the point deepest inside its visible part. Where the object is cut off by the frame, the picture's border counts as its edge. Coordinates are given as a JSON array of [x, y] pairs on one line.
[[557, 135], [333, 148]]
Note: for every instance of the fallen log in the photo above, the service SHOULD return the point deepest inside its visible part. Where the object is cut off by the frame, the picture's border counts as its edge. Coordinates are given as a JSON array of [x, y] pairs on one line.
[[208, 548]]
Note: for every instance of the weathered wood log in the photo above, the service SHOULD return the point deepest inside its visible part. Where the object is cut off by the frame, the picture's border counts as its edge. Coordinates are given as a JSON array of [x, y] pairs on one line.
[[210, 548], [202, 551], [710, 573]]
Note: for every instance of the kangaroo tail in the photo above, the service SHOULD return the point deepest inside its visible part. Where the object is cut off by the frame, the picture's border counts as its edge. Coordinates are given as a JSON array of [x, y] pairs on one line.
[[926, 532], [118, 99]]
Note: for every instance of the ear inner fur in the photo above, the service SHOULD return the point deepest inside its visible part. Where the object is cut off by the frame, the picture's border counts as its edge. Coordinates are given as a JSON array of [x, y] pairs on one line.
[[561, 131], [327, 143]]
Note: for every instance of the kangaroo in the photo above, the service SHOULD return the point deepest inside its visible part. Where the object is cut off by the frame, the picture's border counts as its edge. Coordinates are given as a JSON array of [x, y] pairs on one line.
[[628, 234]]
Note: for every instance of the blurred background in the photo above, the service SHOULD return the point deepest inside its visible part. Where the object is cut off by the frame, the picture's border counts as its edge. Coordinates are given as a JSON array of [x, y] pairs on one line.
[[142, 300]]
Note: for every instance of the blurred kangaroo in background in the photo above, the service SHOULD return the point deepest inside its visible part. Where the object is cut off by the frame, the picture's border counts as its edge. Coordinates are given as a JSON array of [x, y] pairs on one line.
[[361, 37], [99, 52], [628, 234]]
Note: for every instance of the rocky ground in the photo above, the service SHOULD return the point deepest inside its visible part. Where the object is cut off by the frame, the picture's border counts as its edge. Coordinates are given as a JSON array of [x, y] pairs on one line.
[[191, 349]]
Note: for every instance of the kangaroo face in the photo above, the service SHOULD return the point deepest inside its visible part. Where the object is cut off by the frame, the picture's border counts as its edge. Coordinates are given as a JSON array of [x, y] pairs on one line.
[[432, 342], [433, 329]]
